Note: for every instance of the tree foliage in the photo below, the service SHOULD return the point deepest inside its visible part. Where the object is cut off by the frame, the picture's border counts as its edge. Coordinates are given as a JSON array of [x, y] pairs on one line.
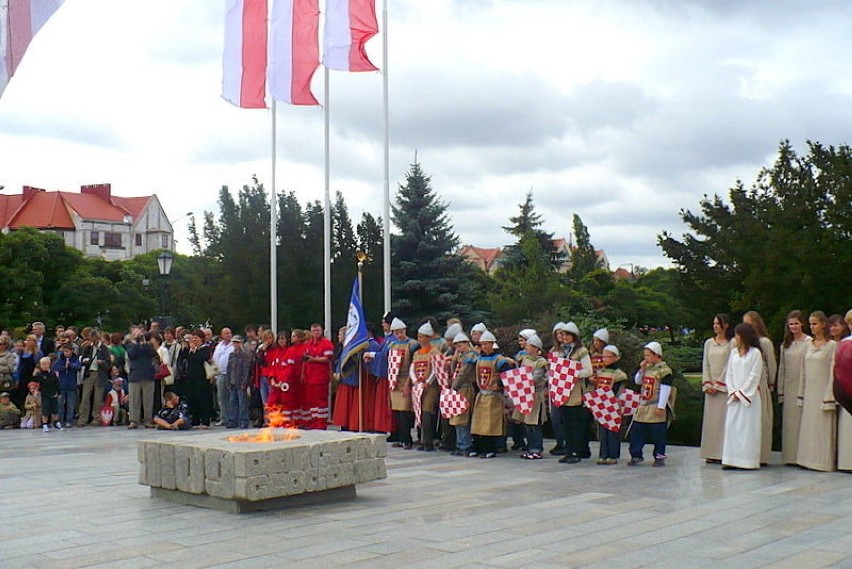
[[784, 243], [428, 276], [528, 223]]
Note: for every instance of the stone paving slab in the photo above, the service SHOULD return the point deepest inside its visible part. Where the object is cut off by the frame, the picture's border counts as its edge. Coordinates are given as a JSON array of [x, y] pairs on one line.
[[72, 500]]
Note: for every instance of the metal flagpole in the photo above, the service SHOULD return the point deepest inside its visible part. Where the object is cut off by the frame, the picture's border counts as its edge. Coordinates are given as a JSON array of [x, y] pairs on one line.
[[273, 238], [326, 219], [386, 265]]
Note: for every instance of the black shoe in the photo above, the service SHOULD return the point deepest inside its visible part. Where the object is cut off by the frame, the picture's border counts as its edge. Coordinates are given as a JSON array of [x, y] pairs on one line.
[[570, 459], [558, 451], [635, 461], [407, 446], [659, 462]]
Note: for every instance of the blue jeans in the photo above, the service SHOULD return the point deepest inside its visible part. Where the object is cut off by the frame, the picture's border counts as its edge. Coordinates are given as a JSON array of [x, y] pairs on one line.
[[535, 438], [264, 389], [67, 403], [640, 433], [463, 439], [238, 408]]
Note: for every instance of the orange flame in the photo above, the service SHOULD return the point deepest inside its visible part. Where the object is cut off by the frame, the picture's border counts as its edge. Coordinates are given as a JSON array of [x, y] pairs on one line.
[[280, 429]]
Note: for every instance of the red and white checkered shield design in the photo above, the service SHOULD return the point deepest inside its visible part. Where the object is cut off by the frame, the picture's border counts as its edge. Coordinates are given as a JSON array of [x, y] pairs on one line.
[[562, 372], [629, 401], [519, 387], [452, 403], [417, 389], [439, 366], [605, 408], [394, 363]]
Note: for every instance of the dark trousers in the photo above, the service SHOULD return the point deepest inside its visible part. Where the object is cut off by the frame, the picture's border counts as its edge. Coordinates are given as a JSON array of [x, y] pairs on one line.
[[517, 432], [575, 430], [404, 421], [556, 423], [610, 443], [642, 433], [428, 426], [483, 444], [448, 435]]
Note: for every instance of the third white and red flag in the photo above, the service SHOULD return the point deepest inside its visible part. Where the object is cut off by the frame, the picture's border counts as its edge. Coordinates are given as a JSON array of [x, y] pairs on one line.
[[349, 25]]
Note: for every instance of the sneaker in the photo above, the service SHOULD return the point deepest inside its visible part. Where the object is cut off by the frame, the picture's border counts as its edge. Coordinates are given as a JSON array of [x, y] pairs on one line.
[[635, 461], [45, 428], [133, 425], [612, 461], [488, 455], [570, 459], [58, 426], [659, 462], [473, 454], [602, 461], [558, 451], [219, 423], [535, 456]]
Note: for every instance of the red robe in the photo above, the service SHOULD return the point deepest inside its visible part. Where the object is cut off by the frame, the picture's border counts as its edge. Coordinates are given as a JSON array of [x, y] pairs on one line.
[[317, 376]]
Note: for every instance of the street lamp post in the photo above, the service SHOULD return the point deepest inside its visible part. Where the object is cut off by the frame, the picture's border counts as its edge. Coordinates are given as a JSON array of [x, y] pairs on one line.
[[164, 264]]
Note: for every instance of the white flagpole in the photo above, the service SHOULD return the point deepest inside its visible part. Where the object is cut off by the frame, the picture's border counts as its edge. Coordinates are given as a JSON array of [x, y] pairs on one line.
[[273, 238], [326, 218], [386, 196]]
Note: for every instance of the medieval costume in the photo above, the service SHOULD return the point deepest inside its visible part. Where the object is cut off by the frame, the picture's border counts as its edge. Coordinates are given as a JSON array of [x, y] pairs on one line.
[[713, 369], [819, 416], [741, 445], [789, 376]]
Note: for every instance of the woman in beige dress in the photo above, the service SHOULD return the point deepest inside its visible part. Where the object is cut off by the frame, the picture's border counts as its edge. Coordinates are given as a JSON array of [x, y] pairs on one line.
[[716, 352], [838, 330], [816, 398], [767, 383], [789, 374]]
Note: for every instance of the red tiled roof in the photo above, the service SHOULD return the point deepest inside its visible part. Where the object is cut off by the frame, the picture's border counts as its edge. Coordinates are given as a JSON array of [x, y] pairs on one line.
[[44, 210], [134, 205], [89, 206], [8, 206], [622, 274]]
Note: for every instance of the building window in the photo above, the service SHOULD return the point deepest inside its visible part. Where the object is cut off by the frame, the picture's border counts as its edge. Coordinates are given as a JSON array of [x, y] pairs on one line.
[[165, 240], [138, 239], [112, 240], [94, 238]]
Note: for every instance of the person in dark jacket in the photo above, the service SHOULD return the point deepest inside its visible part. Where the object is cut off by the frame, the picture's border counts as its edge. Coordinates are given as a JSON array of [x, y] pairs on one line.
[[140, 356], [239, 379], [66, 366]]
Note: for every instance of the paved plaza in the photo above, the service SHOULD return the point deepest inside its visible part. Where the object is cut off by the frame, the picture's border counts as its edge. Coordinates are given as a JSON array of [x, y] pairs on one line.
[[71, 499]]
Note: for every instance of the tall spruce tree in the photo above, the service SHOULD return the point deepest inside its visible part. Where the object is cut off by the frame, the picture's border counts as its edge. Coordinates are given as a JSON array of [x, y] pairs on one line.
[[428, 275], [528, 222], [584, 259]]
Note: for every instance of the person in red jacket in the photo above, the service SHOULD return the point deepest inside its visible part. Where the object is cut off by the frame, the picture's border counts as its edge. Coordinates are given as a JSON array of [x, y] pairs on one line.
[[295, 400], [317, 357]]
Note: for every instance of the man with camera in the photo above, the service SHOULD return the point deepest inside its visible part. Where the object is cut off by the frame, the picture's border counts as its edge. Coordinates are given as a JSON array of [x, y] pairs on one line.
[[140, 356]]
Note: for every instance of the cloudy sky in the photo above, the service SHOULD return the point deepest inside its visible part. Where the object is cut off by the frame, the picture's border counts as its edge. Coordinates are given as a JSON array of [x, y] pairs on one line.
[[621, 111]]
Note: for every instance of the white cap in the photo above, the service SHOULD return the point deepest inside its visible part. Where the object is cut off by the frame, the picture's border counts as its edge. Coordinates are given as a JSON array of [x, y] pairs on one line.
[[453, 330], [534, 340], [558, 326], [460, 337], [613, 350], [602, 335], [571, 328], [426, 330], [496, 346], [397, 324], [487, 337], [655, 347], [526, 333], [481, 327]]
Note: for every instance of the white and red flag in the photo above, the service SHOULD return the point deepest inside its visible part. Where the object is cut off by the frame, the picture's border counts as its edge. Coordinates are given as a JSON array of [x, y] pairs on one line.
[[293, 50], [394, 365], [20, 21], [562, 372], [244, 59], [605, 408], [439, 368], [520, 388], [452, 403], [349, 25], [630, 401]]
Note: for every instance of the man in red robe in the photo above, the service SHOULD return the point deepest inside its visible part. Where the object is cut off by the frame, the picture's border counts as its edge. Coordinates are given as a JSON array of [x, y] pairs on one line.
[[318, 354]]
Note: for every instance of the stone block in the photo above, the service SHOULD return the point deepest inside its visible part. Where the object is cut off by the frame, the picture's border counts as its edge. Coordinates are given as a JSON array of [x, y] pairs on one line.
[[365, 471], [152, 464], [253, 488], [381, 444], [296, 482], [315, 480], [279, 460], [301, 457], [219, 473], [167, 467], [347, 450], [250, 463], [347, 474], [333, 478], [189, 469]]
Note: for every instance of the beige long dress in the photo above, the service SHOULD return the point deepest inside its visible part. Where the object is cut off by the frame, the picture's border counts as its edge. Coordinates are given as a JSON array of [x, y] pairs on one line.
[[789, 375], [770, 369], [715, 364], [818, 433]]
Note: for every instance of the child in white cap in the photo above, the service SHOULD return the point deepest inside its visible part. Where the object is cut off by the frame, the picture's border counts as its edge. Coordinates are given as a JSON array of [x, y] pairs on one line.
[[613, 378], [649, 421], [534, 420]]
